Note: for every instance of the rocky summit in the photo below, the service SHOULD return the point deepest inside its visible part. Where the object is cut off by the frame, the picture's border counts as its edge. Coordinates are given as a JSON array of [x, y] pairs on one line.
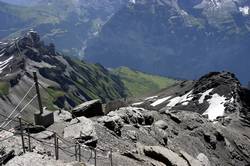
[[192, 123]]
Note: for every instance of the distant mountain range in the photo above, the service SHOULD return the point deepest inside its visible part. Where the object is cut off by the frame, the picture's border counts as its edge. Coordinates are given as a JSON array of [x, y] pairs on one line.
[[67, 23], [181, 39], [177, 38]]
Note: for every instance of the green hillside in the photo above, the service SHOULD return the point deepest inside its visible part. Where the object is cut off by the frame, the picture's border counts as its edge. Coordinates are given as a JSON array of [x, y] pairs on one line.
[[138, 83]]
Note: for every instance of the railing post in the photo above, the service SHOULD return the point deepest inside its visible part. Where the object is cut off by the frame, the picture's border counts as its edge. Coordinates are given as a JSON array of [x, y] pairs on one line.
[[56, 146], [111, 157], [79, 148], [29, 138], [95, 156], [21, 129], [76, 152]]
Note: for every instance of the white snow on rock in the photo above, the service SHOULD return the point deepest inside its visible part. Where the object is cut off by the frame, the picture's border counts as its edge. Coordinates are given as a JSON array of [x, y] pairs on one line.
[[138, 103], [202, 98], [185, 103], [183, 99], [244, 10], [216, 107], [159, 101], [150, 98], [1, 54], [4, 64]]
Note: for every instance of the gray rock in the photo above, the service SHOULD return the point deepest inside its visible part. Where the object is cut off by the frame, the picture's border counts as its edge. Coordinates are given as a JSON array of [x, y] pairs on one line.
[[113, 123], [164, 155], [60, 116], [203, 159], [191, 160], [88, 109], [161, 124], [83, 131], [43, 135]]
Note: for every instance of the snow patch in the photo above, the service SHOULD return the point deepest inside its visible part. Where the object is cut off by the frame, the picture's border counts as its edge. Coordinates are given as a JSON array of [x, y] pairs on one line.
[[1, 54], [244, 10], [216, 107], [185, 103], [4, 64], [159, 101], [138, 103], [202, 98], [150, 98], [183, 99]]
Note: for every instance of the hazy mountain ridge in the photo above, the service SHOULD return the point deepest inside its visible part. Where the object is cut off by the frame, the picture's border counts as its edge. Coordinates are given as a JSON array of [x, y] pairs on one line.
[[68, 23], [175, 38]]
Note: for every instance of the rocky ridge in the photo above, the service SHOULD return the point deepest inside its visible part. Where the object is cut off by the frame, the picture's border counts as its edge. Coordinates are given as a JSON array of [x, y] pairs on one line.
[[152, 132], [65, 82]]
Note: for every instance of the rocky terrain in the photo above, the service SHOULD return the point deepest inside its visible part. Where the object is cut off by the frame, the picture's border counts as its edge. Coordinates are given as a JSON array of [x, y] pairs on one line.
[[193, 123]]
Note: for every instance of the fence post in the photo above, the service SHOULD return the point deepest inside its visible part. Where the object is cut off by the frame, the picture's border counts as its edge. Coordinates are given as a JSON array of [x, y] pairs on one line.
[[79, 147], [21, 129], [76, 152], [29, 138], [95, 156], [56, 146], [111, 157]]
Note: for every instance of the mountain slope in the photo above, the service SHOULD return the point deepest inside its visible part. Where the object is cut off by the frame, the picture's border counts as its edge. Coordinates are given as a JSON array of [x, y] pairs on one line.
[[66, 81], [183, 39], [69, 81], [67, 23], [139, 83]]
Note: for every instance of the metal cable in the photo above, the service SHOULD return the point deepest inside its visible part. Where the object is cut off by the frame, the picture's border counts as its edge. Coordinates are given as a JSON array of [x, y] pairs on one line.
[[18, 104], [20, 111]]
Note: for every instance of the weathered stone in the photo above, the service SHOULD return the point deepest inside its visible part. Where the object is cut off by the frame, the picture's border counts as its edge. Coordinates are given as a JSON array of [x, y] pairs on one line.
[[44, 135], [191, 160], [88, 109], [84, 131], [203, 159], [113, 123], [174, 117], [62, 115], [161, 124], [164, 155], [148, 118]]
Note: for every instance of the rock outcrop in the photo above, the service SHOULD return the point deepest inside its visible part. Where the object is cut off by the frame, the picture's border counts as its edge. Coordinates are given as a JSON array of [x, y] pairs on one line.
[[83, 130]]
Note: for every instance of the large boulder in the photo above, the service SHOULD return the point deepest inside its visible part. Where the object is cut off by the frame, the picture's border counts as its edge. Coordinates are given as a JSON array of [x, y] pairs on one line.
[[89, 109], [128, 115], [83, 130], [113, 123], [62, 115], [164, 155]]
